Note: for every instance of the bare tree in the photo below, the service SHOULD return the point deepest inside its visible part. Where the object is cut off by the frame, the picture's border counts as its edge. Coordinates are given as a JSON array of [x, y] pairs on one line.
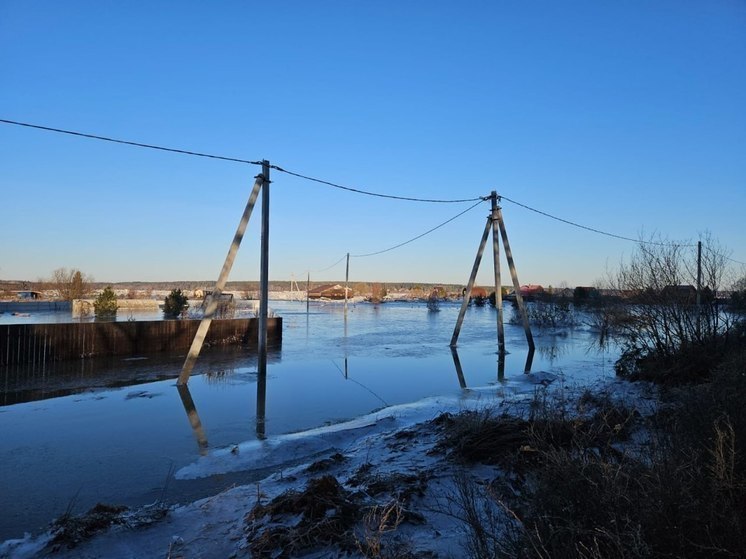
[[70, 284], [661, 316]]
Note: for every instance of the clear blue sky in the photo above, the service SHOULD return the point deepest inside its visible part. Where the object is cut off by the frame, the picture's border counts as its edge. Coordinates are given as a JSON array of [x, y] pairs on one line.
[[623, 116]]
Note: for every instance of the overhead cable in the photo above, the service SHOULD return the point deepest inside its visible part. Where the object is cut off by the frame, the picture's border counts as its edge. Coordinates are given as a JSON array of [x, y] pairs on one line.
[[421, 235], [329, 267], [568, 222], [642, 241], [129, 143], [369, 193]]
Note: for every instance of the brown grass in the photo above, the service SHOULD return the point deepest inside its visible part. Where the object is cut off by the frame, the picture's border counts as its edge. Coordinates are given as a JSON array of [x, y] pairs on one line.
[[680, 492]]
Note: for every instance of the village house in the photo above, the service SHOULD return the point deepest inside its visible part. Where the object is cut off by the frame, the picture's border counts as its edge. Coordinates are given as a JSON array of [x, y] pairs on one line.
[[329, 291]]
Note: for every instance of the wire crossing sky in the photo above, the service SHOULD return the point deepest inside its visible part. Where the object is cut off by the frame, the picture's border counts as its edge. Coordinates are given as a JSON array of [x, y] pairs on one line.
[[350, 189], [620, 119]]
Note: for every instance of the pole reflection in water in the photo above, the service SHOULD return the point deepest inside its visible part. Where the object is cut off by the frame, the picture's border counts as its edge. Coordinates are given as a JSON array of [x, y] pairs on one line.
[[261, 396], [501, 366], [529, 361], [346, 375], [457, 364], [193, 416]]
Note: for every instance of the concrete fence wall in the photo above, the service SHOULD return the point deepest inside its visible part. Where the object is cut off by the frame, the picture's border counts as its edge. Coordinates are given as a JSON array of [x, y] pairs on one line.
[[85, 306], [35, 306], [40, 343]]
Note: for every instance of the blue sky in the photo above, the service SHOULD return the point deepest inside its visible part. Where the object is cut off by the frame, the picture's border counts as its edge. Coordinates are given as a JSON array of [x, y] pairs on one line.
[[628, 117]]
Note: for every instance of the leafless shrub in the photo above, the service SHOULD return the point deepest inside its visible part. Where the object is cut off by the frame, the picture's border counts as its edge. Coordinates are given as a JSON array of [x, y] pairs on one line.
[[70, 284], [661, 326]]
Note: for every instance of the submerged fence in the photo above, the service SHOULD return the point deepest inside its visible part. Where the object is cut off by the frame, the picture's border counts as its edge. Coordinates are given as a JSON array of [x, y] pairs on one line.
[[39, 343]]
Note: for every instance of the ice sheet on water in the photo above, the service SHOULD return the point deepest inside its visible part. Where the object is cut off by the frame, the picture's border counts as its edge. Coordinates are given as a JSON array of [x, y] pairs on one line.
[[292, 447]]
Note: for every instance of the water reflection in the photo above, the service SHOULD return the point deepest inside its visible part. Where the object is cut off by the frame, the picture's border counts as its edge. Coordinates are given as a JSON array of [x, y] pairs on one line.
[[346, 375], [459, 370], [500, 366], [261, 397], [193, 416], [529, 361], [52, 379], [553, 351]]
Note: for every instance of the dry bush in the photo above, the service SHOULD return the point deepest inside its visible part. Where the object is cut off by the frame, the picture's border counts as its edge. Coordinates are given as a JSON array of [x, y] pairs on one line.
[[322, 515], [665, 334], [70, 531], [584, 494]]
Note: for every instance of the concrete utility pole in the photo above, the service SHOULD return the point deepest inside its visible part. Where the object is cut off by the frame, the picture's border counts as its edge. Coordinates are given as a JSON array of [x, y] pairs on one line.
[[261, 383], [470, 285], [495, 222], [516, 284], [498, 281], [347, 280], [264, 266], [214, 298]]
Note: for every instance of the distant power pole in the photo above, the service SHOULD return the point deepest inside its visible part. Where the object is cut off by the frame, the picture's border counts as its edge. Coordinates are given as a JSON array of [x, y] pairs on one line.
[[347, 279]]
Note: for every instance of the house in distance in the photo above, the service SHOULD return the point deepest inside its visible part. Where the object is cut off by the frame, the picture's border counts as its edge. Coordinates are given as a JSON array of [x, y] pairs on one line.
[[329, 291]]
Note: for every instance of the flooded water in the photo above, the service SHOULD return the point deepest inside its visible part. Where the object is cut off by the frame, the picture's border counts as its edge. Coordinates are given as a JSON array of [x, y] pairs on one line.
[[114, 431]]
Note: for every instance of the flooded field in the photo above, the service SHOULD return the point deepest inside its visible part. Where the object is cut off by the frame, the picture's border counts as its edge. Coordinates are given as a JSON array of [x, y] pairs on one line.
[[115, 430]]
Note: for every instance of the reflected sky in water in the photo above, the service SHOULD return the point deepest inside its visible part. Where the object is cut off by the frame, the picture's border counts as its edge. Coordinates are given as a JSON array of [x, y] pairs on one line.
[[120, 444]]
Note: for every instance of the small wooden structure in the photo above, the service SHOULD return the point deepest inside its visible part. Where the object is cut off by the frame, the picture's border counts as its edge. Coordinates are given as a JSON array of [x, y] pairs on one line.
[[27, 295], [330, 291]]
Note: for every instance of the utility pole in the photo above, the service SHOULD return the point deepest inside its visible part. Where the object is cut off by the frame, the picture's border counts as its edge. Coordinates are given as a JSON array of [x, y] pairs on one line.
[[495, 222], [347, 280], [264, 265], [470, 285], [516, 284], [262, 180], [261, 384], [498, 281]]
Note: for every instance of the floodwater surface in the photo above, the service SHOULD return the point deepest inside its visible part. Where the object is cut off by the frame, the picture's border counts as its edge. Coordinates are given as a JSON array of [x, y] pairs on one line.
[[115, 431]]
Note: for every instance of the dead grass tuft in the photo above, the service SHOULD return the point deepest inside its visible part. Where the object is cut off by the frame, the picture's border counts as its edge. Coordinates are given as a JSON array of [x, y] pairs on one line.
[[322, 515], [70, 530], [679, 492]]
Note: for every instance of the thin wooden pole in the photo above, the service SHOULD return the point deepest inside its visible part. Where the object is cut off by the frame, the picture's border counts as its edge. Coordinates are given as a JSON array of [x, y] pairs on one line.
[[470, 285], [264, 266], [514, 276], [212, 301], [308, 289], [347, 280], [498, 280]]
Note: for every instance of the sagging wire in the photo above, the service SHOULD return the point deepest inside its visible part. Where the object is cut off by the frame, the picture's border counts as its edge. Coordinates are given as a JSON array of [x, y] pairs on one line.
[[128, 142], [482, 199], [370, 193], [578, 225]]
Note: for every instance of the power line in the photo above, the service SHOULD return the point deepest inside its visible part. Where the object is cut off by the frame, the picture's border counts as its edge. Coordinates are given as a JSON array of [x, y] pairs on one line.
[[339, 186], [369, 193], [688, 245], [419, 236], [129, 143], [329, 267], [600, 232]]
